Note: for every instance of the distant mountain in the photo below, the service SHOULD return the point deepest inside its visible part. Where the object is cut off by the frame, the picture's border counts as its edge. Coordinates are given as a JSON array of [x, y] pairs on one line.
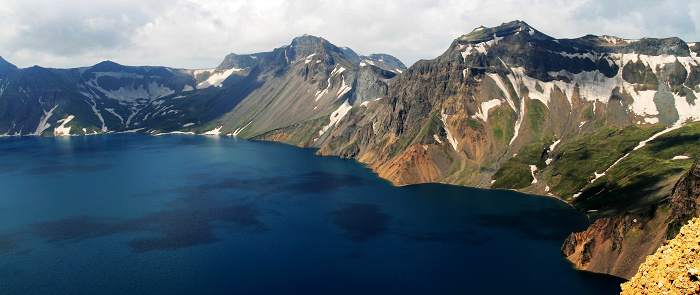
[[109, 97], [606, 124]]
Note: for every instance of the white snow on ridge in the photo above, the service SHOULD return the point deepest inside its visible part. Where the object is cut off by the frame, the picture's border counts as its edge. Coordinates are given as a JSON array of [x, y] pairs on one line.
[[63, 130], [336, 116], [482, 47], [640, 145], [496, 78], [453, 141], [515, 80], [309, 58], [483, 113], [343, 89], [238, 131], [43, 125], [337, 70], [131, 93], [217, 79], [187, 125], [554, 145], [437, 138], [533, 169]]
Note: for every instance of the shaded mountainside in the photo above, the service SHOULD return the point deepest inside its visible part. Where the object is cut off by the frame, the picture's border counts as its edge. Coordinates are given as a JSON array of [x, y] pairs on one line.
[[618, 245], [606, 124], [109, 97]]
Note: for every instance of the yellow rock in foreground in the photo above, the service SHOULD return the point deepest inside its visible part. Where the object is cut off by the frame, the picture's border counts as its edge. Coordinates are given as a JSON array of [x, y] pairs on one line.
[[673, 269]]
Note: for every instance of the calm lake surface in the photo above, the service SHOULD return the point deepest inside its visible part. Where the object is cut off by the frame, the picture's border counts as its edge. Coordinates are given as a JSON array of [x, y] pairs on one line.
[[186, 214]]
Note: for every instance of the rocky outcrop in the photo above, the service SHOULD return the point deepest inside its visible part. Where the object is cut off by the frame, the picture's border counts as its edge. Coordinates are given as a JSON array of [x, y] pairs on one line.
[[673, 269], [618, 245]]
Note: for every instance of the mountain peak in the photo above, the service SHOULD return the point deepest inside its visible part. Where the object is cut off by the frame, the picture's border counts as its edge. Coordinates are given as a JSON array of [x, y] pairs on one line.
[[306, 40], [107, 66], [5, 66], [483, 34]]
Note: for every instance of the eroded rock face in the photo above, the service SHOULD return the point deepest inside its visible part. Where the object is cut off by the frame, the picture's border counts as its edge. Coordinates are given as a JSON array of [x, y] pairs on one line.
[[617, 245], [673, 269]]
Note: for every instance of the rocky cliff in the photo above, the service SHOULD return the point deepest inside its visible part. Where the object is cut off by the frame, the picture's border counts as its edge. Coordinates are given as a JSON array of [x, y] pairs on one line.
[[673, 269], [618, 245]]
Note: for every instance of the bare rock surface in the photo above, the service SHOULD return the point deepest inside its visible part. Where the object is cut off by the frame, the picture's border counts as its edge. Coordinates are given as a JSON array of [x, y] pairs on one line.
[[673, 269]]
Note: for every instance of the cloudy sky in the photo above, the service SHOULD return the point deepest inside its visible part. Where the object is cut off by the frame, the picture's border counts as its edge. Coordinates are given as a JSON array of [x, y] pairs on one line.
[[199, 33]]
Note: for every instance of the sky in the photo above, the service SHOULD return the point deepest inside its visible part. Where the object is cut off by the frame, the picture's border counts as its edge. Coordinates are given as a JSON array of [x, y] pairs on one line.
[[196, 34]]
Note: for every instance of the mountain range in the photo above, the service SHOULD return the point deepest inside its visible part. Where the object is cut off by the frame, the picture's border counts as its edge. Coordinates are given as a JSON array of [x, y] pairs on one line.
[[606, 124]]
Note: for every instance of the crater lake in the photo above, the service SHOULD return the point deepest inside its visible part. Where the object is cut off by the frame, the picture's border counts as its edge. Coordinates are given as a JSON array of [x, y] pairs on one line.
[[189, 214]]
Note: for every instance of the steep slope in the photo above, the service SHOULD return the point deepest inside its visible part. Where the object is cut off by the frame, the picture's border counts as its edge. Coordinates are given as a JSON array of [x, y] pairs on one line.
[[673, 269], [498, 92], [601, 122], [618, 245], [310, 82], [109, 97]]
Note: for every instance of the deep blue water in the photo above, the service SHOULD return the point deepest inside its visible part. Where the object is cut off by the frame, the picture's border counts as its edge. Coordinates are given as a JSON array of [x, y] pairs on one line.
[[184, 214]]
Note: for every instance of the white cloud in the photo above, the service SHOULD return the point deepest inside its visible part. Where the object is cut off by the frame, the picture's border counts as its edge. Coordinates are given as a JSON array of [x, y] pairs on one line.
[[199, 33]]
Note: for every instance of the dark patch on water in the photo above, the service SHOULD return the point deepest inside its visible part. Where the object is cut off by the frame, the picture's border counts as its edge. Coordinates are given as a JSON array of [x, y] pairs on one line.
[[65, 168], [547, 224], [9, 242], [315, 182], [470, 238], [321, 182], [76, 228], [192, 224], [361, 222], [9, 167]]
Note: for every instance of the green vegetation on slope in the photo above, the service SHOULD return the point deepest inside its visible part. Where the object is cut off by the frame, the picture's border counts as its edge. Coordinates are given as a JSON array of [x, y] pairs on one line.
[[634, 180], [577, 160]]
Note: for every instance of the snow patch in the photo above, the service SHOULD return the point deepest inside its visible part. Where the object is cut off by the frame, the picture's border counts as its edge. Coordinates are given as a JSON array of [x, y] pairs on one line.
[[343, 89], [215, 131], [63, 130], [680, 158], [309, 58], [554, 145], [453, 141], [187, 125], [651, 120], [238, 131], [496, 78], [597, 175], [483, 114], [437, 138], [336, 116], [217, 79], [533, 169], [480, 47], [43, 124], [515, 80]]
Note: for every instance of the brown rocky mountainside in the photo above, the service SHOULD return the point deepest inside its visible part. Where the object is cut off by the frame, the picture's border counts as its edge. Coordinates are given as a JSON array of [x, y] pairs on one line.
[[673, 269], [617, 245]]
